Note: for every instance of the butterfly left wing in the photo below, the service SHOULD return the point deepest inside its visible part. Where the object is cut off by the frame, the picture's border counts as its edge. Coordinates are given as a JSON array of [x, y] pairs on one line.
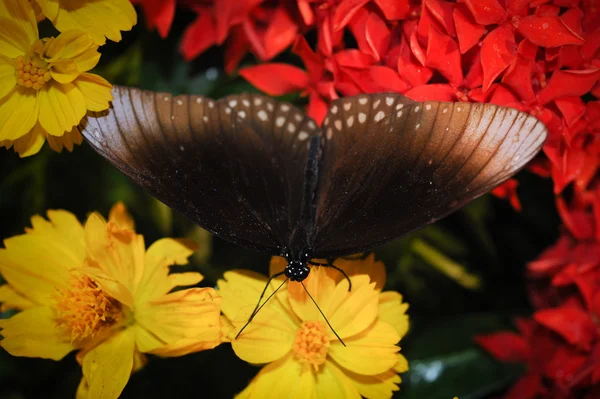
[[393, 165], [235, 166]]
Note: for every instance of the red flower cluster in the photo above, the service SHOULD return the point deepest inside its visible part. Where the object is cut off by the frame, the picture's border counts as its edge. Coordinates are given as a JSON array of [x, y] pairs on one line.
[[539, 56]]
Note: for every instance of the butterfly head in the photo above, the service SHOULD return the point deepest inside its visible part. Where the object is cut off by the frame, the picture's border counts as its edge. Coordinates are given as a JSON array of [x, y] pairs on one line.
[[297, 268]]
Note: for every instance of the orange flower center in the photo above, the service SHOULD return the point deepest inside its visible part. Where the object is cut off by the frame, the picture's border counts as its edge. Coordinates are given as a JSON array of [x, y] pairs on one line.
[[85, 310], [311, 344], [31, 71]]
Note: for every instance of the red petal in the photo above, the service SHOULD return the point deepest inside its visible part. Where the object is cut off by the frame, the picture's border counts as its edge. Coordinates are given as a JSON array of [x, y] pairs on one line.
[[345, 11], [527, 49], [467, 30], [569, 57], [571, 323], [425, 23], [568, 83], [505, 346], [308, 16], [527, 387], [353, 58], [280, 34], [518, 77], [591, 46], [572, 108], [474, 77], [517, 7], [547, 10], [413, 73], [371, 33], [497, 51], [486, 12], [253, 35], [547, 31], [388, 79], [508, 191], [416, 49], [394, 9], [312, 61], [237, 48], [317, 107], [572, 20], [433, 92], [575, 220], [198, 37], [159, 14], [276, 79], [443, 55], [503, 96], [442, 11]]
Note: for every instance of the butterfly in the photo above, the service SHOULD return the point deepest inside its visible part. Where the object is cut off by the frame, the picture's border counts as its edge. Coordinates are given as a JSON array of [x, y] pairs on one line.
[[262, 174]]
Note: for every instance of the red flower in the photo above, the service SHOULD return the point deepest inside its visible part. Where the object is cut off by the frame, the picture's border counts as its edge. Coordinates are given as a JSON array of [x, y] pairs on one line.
[[159, 14]]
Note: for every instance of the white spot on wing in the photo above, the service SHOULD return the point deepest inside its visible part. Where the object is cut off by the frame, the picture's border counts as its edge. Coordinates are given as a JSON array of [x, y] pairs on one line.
[[347, 106], [227, 110], [179, 101], [350, 121], [232, 103], [334, 109], [166, 98], [338, 124], [428, 107], [418, 125], [280, 121], [399, 114], [363, 100], [262, 115], [362, 117], [380, 115], [270, 106], [298, 117], [302, 136], [376, 103], [246, 103], [417, 108], [198, 100], [285, 107], [444, 110], [257, 101], [389, 101], [291, 127], [399, 106], [242, 114], [329, 133]]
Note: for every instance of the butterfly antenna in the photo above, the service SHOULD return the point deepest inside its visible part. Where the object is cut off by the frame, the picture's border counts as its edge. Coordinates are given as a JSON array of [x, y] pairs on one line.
[[322, 314], [258, 305], [330, 264]]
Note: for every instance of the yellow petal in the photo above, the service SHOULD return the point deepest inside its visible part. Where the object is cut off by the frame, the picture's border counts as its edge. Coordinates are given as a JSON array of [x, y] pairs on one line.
[[98, 18], [181, 322], [64, 71], [242, 288], [15, 38], [11, 299], [267, 338], [351, 312], [69, 45], [31, 143], [283, 378], [8, 78], [110, 285], [19, 112], [393, 311], [118, 253], [320, 286], [372, 352], [333, 383], [96, 90], [107, 367], [62, 106], [118, 215], [377, 386], [65, 226], [374, 269], [67, 140], [49, 8], [162, 254], [33, 333], [21, 13], [37, 266]]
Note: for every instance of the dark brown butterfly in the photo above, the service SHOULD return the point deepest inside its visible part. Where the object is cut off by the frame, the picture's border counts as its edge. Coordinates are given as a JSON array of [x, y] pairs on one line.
[[263, 175]]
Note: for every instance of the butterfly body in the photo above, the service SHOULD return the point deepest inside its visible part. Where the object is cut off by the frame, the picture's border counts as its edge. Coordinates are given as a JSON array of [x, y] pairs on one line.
[[263, 175]]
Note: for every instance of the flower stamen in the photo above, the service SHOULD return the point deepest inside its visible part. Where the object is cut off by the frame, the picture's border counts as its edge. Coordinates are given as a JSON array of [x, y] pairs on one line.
[[31, 71], [312, 344], [84, 309]]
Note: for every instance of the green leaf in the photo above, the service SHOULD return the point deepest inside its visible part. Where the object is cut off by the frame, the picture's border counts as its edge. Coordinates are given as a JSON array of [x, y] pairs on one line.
[[445, 362]]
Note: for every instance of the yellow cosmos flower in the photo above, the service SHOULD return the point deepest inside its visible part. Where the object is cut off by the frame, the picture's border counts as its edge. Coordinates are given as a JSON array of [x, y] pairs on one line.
[[45, 89], [96, 289], [303, 357], [99, 18]]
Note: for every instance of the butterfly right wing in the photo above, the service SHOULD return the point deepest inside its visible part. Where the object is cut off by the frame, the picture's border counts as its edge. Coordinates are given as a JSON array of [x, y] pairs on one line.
[[393, 165], [234, 166]]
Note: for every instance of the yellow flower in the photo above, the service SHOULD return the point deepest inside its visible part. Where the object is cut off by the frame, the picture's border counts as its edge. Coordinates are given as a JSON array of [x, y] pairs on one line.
[[302, 357], [96, 289], [45, 89], [99, 18]]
